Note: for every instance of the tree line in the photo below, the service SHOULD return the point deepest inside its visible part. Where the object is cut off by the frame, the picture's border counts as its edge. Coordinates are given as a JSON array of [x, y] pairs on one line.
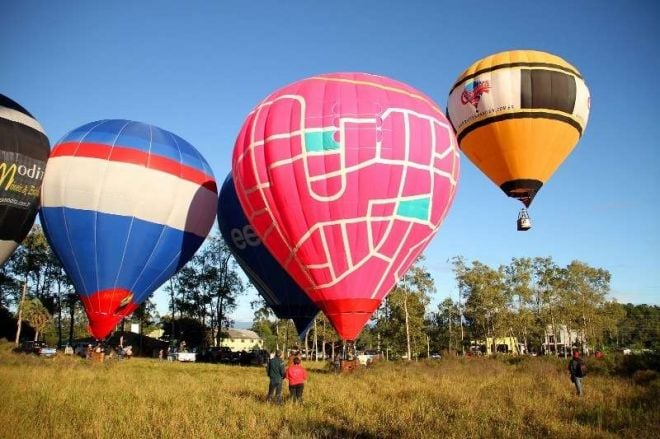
[[527, 298]]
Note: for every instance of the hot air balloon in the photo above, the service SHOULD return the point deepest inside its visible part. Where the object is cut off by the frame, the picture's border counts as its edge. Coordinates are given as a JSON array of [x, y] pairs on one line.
[[346, 177], [24, 150], [124, 206], [273, 283], [517, 116]]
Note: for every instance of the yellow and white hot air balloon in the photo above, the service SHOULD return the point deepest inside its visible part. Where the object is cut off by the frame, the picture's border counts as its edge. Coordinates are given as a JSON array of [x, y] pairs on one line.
[[517, 116]]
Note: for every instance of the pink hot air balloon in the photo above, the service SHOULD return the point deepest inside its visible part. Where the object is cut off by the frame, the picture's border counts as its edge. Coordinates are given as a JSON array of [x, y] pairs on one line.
[[346, 177]]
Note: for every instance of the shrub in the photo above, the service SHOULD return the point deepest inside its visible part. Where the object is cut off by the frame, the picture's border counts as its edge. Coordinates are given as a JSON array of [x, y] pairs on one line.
[[644, 377]]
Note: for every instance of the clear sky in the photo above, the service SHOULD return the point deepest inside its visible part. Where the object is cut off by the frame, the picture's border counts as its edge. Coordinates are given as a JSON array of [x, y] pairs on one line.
[[196, 68]]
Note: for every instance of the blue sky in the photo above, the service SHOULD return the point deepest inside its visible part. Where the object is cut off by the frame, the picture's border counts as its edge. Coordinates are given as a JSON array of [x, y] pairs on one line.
[[197, 68]]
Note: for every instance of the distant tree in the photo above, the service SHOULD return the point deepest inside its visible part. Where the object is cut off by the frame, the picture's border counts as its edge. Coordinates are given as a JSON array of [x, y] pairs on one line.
[[486, 299], [262, 323], [190, 330], [147, 316], [36, 315], [402, 320], [9, 285], [640, 327], [584, 291], [327, 337], [518, 277], [206, 289], [447, 321]]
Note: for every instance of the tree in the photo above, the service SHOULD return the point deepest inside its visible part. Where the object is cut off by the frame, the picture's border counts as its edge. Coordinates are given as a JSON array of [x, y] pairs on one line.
[[584, 290], [190, 330], [402, 317], [262, 323], [206, 288], [640, 327], [36, 315], [484, 291], [9, 285], [448, 321], [518, 277]]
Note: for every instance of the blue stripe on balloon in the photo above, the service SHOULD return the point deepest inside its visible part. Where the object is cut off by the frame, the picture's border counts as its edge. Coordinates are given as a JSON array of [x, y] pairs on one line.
[[140, 136], [113, 251]]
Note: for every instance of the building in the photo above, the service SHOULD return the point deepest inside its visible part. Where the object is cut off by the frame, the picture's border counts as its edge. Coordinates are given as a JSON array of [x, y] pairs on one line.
[[566, 340], [241, 340]]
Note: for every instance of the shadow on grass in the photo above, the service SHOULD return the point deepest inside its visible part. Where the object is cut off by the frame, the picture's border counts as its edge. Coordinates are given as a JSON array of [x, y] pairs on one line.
[[330, 430]]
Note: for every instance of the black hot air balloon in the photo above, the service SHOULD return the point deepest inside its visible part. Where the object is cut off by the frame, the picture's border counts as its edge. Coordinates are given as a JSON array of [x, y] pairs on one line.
[[24, 150]]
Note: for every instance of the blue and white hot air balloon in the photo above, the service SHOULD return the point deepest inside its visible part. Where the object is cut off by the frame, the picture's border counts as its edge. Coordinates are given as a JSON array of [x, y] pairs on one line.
[[279, 290], [124, 206]]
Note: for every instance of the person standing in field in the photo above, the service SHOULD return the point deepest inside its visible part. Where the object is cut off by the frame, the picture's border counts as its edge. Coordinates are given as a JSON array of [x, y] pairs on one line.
[[296, 375], [576, 368], [276, 373]]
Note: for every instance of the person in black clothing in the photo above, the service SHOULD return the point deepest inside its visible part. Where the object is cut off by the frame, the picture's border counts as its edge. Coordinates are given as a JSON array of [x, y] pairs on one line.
[[275, 371], [576, 369]]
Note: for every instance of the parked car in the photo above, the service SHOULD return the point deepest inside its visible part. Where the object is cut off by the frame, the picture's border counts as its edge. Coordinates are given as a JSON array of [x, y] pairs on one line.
[[219, 354], [186, 357], [37, 347]]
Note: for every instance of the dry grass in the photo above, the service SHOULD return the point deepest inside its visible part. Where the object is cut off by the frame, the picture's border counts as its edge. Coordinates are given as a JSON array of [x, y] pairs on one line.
[[141, 398]]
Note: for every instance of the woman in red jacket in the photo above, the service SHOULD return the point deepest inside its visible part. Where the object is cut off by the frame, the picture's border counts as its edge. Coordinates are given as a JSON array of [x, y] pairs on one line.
[[297, 375]]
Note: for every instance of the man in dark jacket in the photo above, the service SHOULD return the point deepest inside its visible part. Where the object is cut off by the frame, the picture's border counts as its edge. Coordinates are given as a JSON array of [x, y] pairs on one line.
[[575, 368], [275, 371]]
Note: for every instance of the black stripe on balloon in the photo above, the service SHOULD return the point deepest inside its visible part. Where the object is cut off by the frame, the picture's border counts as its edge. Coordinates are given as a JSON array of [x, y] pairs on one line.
[[521, 115], [547, 90], [9, 103], [516, 64], [16, 222], [18, 138], [523, 189]]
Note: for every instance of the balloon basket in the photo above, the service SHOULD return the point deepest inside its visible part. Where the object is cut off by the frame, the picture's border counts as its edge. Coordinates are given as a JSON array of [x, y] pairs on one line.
[[348, 366], [524, 221]]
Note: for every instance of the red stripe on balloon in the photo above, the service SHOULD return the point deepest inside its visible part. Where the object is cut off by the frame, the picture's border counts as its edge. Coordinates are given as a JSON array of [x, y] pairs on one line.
[[135, 157]]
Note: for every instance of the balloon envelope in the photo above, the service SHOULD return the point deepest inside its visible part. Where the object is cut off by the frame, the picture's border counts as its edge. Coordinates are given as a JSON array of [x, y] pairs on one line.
[[346, 177], [24, 150], [279, 290], [124, 206], [518, 115]]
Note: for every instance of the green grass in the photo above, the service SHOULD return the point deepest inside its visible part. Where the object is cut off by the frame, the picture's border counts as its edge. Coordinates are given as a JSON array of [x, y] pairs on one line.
[[69, 397]]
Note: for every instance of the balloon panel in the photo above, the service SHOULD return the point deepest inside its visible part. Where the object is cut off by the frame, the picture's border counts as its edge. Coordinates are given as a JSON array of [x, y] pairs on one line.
[[24, 150], [346, 177], [279, 290], [518, 115], [122, 218]]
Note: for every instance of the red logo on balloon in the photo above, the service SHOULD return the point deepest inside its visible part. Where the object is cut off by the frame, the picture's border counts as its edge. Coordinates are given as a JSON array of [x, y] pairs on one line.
[[473, 91]]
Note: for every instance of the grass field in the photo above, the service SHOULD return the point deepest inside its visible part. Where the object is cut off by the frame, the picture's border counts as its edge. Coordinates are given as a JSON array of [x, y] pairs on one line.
[[69, 397]]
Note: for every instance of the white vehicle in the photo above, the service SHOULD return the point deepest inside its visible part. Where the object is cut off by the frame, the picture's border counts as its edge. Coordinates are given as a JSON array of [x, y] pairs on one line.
[[368, 357], [186, 356]]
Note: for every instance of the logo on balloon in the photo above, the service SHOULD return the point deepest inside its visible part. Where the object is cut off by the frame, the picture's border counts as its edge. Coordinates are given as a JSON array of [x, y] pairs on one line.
[[473, 91], [245, 237]]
